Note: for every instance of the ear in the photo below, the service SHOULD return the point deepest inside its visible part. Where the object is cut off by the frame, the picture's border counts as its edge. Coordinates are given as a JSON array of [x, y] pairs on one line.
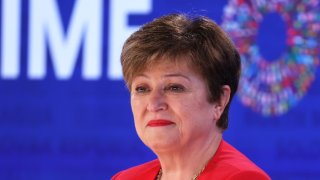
[[221, 104]]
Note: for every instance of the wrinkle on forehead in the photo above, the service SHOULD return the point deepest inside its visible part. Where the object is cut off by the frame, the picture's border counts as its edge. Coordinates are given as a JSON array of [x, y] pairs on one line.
[[171, 59]]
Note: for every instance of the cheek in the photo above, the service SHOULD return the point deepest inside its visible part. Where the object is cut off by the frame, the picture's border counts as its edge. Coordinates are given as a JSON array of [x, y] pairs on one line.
[[197, 112], [134, 104], [137, 109], [136, 117], [186, 114]]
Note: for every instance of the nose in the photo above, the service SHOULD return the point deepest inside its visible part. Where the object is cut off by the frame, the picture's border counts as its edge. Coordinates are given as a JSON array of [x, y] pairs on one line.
[[157, 101]]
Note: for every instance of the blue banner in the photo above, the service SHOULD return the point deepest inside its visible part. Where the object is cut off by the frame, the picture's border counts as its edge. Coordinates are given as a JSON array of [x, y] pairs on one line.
[[65, 110]]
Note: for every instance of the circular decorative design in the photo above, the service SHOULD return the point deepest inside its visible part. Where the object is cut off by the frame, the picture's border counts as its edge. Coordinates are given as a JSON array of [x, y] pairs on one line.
[[272, 88]]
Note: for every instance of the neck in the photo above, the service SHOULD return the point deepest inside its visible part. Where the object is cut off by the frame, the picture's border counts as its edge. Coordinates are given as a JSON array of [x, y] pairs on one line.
[[190, 160]]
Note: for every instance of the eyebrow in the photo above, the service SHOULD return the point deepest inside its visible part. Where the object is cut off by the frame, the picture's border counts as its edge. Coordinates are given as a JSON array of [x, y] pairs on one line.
[[168, 75], [177, 75]]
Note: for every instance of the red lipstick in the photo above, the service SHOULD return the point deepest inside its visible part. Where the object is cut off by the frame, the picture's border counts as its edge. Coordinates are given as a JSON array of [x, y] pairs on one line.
[[159, 122]]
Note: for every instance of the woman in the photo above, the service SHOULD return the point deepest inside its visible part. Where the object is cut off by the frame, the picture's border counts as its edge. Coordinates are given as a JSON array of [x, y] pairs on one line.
[[182, 73]]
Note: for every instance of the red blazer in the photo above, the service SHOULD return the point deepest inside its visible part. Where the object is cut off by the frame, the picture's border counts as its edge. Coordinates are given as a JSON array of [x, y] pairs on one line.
[[227, 164]]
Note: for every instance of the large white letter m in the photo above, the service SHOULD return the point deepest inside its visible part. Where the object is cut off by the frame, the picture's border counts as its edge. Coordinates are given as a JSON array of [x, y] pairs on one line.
[[85, 27]]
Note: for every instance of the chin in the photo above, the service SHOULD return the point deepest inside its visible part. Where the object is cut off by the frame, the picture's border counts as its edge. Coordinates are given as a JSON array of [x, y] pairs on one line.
[[161, 145]]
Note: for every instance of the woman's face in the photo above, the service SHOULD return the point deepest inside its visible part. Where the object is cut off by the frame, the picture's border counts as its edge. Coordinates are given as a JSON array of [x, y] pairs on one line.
[[170, 107]]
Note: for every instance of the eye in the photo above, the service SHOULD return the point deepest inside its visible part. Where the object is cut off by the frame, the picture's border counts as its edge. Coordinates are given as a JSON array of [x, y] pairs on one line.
[[176, 88], [141, 89]]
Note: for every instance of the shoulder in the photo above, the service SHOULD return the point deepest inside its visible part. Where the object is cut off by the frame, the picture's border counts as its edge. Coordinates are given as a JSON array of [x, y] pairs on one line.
[[144, 171], [229, 163], [248, 175]]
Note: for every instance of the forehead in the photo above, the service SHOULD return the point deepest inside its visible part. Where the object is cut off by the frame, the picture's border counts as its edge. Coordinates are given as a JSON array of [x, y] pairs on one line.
[[169, 65], [166, 63]]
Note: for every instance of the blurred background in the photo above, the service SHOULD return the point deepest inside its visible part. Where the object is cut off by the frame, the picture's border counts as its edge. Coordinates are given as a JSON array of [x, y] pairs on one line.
[[64, 108]]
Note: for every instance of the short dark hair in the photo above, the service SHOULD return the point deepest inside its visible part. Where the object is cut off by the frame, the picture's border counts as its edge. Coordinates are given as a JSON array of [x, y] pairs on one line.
[[212, 53]]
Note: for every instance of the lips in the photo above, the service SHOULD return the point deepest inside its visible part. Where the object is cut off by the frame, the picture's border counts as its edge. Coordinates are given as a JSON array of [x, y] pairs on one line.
[[159, 123]]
